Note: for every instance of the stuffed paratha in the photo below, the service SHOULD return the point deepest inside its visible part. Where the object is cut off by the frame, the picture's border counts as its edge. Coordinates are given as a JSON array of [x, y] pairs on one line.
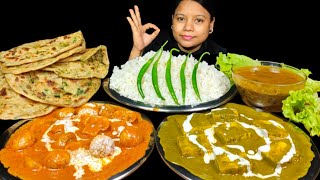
[[41, 63], [48, 87], [41, 49], [93, 62], [15, 106], [74, 57]]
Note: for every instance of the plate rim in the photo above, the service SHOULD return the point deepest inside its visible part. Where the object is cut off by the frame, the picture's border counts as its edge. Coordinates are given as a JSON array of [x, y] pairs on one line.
[[230, 94]]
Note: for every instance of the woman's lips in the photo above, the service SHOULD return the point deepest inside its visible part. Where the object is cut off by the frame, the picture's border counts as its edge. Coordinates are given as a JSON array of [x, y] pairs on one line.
[[185, 37]]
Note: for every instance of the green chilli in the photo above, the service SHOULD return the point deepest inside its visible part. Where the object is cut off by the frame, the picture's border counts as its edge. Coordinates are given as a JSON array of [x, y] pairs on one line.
[[168, 78], [183, 79], [155, 74], [194, 77], [142, 71]]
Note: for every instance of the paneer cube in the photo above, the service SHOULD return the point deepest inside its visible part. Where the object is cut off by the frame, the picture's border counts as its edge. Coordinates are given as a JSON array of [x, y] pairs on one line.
[[203, 140], [187, 148], [199, 122], [274, 132], [224, 115], [277, 150], [226, 166], [231, 134]]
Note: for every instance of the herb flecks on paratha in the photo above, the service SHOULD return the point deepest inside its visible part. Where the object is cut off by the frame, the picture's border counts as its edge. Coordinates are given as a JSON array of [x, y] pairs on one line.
[[48, 87], [41, 49], [93, 62], [15, 106], [41, 63]]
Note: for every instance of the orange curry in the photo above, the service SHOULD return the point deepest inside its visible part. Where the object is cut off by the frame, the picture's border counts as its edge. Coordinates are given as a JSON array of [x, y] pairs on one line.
[[94, 141], [269, 74]]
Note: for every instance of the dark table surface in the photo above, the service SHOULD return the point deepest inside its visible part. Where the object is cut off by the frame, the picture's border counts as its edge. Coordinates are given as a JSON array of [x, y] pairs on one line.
[[154, 166]]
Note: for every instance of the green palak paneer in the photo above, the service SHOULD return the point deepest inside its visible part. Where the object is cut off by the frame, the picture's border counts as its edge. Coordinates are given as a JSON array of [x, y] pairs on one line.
[[236, 142]]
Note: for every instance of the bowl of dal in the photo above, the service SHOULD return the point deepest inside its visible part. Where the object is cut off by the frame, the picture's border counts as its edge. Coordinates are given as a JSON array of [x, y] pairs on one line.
[[265, 86]]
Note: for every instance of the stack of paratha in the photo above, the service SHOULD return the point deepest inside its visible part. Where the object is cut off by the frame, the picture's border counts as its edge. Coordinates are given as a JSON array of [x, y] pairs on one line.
[[41, 53], [88, 64], [37, 77]]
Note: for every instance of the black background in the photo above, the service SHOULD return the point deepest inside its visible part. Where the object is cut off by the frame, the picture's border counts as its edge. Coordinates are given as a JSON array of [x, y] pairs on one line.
[[275, 30], [272, 30]]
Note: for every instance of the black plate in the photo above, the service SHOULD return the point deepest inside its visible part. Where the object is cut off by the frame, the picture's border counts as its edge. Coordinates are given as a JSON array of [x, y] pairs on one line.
[[171, 109], [312, 174], [4, 175]]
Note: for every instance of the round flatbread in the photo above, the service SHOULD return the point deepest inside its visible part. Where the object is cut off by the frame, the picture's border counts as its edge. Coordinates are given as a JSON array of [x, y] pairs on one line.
[[75, 57], [39, 64], [14, 106], [41, 49], [47, 87], [91, 63]]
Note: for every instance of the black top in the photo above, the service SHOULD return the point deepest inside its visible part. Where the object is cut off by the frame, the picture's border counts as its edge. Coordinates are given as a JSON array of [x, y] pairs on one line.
[[208, 46]]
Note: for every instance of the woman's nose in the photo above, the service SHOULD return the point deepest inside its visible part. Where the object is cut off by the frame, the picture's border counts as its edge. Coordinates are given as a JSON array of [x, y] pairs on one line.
[[188, 26]]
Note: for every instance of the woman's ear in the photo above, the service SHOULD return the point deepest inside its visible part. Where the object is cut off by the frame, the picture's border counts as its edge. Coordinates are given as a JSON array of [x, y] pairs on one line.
[[212, 25], [172, 21]]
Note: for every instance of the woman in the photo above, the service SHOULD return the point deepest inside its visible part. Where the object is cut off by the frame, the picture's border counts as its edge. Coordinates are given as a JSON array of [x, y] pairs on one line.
[[192, 23]]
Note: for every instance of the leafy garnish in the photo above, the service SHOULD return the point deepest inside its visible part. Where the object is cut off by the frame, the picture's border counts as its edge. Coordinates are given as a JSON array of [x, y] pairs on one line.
[[303, 106]]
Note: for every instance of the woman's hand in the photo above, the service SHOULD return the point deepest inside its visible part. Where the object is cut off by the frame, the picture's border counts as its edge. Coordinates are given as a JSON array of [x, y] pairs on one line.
[[141, 38]]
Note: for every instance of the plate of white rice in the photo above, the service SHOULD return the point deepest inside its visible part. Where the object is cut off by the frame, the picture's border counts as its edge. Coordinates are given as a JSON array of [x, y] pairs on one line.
[[214, 86]]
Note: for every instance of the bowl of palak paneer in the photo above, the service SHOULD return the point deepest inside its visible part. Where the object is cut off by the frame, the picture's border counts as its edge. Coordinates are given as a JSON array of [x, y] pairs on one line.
[[266, 85]]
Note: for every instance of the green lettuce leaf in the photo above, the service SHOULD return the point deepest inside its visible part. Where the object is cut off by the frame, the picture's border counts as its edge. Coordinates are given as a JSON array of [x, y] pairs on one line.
[[303, 106]]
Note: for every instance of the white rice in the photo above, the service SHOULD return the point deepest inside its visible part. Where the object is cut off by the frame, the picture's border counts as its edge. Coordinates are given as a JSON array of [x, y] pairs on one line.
[[212, 83]]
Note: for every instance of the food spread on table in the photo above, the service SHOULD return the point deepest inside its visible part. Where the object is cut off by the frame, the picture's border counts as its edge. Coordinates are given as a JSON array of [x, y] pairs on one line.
[[236, 142], [95, 140], [50, 82]]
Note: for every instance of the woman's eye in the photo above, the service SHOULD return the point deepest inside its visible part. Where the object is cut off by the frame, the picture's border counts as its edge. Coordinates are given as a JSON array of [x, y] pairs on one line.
[[180, 19], [199, 21]]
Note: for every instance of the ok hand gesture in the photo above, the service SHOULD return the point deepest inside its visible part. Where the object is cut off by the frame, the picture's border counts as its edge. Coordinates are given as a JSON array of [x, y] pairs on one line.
[[141, 38]]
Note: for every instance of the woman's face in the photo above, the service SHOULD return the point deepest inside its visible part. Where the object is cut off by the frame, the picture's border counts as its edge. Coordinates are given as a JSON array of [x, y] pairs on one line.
[[191, 24]]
